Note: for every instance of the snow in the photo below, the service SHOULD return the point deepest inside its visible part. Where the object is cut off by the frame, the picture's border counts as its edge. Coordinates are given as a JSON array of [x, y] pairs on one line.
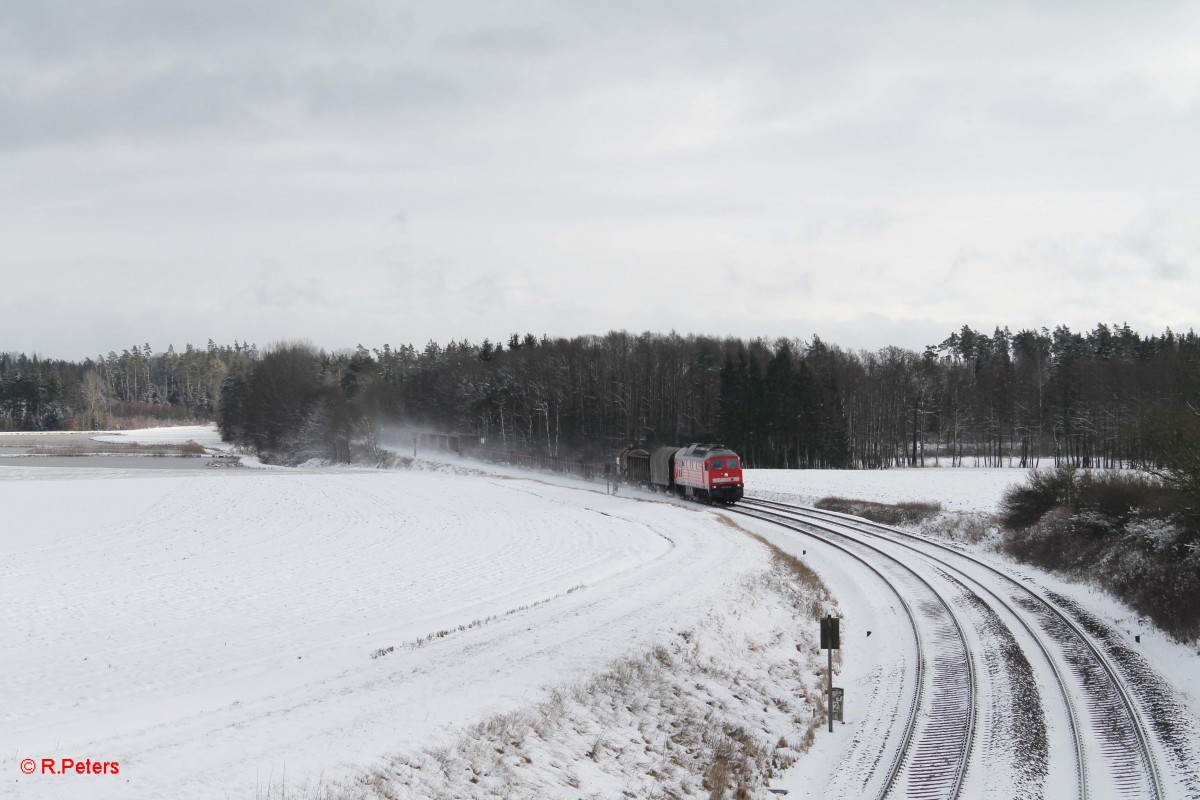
[[672, 722], [249, 633], [975, 489], [870, 669], [204, 435], [213, 630], [866, 672], [1175, 662]]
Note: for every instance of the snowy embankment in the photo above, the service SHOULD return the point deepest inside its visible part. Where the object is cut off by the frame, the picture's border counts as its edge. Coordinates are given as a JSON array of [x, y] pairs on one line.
[[717, 710], [249, 633]]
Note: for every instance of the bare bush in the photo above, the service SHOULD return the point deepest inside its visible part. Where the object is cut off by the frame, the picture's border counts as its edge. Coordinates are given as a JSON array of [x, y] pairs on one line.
[[1146, 572], [1128, 532], [1114, 495], [1024, 504]]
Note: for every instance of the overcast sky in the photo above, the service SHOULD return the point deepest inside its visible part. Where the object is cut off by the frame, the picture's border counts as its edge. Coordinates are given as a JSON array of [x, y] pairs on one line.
[[873, 172]]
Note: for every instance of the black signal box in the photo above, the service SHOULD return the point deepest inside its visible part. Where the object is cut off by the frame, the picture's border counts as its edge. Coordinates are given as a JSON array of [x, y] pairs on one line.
[[830, 635]]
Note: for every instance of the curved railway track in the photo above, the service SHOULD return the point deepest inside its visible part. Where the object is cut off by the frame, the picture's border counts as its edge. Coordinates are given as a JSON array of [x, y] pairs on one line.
[[1107, 735], [942, 683]]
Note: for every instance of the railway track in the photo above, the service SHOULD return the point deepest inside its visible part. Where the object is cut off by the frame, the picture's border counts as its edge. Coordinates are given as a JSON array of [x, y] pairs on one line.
[[929, 758], [1046, 655]]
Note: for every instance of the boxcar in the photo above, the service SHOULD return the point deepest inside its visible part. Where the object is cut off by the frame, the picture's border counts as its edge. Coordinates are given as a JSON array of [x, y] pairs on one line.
[[662, 468], [635, 466]]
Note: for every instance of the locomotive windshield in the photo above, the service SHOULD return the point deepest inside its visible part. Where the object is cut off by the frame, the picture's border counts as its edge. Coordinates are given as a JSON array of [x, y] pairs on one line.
[[716, 464]]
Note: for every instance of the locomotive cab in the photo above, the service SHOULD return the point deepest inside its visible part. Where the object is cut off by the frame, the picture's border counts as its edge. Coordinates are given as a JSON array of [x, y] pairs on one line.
[[723, 476]]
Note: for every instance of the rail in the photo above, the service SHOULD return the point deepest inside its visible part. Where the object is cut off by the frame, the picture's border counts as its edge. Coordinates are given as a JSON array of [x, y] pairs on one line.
[[921, 760]]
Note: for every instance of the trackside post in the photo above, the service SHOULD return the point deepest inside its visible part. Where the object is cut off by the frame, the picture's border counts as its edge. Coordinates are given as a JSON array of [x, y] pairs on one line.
[[831, 640]]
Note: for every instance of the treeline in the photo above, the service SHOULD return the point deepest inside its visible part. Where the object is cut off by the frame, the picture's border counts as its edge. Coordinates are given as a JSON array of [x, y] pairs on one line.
[[1101, 398], [134, 387], [1097, 399], [580, 397]]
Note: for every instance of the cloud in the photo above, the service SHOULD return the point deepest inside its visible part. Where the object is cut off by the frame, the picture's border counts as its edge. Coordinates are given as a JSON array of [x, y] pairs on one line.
[[1151, 252], [568, 168], [500, 40]]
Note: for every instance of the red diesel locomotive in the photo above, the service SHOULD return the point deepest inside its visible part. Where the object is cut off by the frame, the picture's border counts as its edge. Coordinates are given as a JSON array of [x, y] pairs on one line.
[[709, 472]]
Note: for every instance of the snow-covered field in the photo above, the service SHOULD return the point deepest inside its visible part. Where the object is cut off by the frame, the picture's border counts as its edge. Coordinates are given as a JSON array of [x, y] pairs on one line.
[[213, 631], [205, 435], [976, 489], [450, 630]]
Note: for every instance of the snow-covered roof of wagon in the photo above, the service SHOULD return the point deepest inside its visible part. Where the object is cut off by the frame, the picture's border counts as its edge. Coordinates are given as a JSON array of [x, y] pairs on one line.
[[704, 450]]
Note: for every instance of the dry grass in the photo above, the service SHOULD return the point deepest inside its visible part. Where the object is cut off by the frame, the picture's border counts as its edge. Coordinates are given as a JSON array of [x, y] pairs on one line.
[[895, 514], [963, 526], [190, 449]]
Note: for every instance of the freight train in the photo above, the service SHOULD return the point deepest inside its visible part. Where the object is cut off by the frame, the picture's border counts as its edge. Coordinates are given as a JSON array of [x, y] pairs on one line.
[[708, 472]]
